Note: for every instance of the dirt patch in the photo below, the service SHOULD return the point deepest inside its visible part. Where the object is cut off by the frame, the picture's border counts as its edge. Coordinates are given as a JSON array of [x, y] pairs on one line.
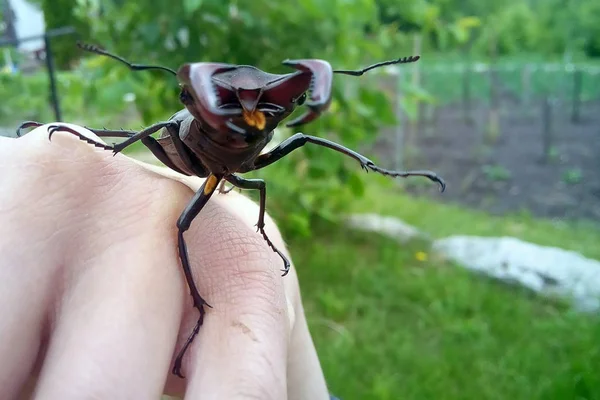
[[505, 170]]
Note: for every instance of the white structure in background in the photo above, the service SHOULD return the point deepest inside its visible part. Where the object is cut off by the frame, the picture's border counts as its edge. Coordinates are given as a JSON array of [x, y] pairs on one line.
[[549, 271], [29, 22]]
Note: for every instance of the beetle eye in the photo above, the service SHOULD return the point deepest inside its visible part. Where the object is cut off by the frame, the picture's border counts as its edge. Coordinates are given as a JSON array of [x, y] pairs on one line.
[[300, 100], [185, 97]]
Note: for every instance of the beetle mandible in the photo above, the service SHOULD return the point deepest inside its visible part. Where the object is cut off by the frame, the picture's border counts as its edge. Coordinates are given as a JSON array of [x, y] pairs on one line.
[[230, 115]]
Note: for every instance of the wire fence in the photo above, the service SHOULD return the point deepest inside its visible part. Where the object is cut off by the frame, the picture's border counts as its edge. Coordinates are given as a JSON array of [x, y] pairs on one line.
[[508, 136], [483, 96], [525, 83]]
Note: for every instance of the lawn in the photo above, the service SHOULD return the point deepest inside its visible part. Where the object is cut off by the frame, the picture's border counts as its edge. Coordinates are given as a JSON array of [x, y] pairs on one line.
[[388, 326]]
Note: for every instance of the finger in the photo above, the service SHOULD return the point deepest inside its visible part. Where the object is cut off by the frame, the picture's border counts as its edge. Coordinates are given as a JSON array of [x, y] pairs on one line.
[[114, 330], [306, 380], [241, 350], [305, 376], [28, 229], [36, 195]]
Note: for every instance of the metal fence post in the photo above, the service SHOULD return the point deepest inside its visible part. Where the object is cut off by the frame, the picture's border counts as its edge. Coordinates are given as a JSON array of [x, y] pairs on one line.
[[67, 30], [52, 79]]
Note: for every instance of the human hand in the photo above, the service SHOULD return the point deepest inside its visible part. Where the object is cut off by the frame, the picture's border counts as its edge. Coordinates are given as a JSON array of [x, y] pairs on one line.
[[93, 300]]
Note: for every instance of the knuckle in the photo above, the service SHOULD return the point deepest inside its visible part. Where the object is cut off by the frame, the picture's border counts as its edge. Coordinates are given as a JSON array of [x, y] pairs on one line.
[[36, 153], [63, 174], [240, 264]]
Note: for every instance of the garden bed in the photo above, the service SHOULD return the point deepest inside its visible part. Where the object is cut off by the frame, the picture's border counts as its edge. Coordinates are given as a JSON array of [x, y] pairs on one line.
[[507, 171]]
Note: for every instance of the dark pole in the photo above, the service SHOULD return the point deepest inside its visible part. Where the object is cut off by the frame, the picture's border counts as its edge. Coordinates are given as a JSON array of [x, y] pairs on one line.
[[466, 95], [49, 60], [577, 85], [546, 127], [52, 78]]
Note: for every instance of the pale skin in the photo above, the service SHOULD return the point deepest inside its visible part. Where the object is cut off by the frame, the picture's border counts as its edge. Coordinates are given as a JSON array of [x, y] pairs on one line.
[[93, 301]]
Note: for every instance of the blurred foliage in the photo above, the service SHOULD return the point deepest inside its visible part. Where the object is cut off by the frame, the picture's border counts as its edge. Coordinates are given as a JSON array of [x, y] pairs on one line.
[[542, 26], [88, 96], [313, 181]]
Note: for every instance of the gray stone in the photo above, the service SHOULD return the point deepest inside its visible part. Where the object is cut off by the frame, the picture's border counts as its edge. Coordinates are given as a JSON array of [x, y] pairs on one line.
[[545, 270], [388, 226]]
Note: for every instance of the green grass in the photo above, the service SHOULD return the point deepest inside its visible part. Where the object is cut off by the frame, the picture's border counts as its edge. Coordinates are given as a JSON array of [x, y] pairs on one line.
[[388, 326]]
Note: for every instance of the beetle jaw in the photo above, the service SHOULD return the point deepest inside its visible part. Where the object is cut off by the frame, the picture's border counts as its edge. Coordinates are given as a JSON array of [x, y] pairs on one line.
[[255, 119]]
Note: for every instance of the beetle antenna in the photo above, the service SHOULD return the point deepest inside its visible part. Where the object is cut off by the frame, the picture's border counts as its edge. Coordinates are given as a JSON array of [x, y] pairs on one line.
[[403, 60], [135, 67]]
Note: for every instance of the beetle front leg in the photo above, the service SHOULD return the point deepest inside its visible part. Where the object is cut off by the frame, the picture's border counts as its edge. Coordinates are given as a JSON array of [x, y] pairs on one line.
[[259, 184], [143, 134], [116, 148], [98, 132], [183, 224], [299, 139]]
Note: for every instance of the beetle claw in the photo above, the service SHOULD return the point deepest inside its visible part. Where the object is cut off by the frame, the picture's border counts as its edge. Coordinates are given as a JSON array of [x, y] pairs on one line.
[[55, 128], [320, 88]]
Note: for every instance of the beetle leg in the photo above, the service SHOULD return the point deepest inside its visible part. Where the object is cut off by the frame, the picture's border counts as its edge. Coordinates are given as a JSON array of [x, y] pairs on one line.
[[299, 139], [148, 141], [116, 148], [54, 128], [223, 190], [28, 124], [152, 144], [98, 132], [111, 132], [259, 184], [158, 150], [183, 224]]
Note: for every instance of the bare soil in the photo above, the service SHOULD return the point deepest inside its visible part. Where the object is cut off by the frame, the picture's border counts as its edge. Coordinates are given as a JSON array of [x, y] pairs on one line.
[[507, 172]]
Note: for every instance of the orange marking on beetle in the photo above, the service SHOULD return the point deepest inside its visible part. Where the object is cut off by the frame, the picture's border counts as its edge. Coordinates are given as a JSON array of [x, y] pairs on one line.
[[255, 118], [211, 184]]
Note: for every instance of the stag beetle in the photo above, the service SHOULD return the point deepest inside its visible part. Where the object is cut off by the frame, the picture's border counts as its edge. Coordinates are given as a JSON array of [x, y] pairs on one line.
[[230, 115]]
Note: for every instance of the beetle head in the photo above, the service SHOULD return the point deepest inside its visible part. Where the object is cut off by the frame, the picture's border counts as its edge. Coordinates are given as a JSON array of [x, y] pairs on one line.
[[244, 98]]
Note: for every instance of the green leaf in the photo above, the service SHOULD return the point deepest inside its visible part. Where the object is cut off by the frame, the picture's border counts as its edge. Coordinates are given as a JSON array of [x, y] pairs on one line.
[[299, 224], [356, 184], [190, 6]]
